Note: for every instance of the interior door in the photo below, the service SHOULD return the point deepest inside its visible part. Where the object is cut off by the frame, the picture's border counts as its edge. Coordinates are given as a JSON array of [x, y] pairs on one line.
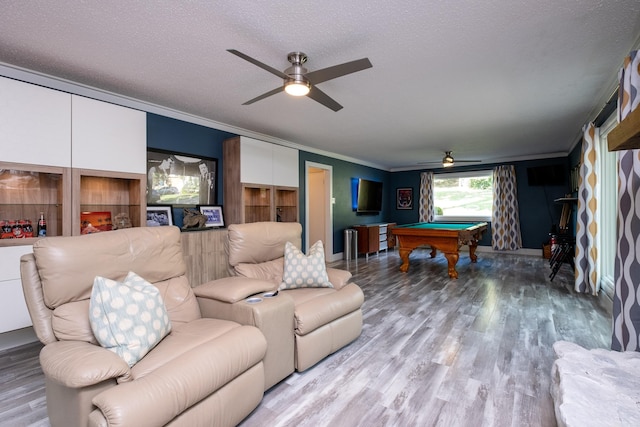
[[318, 207]]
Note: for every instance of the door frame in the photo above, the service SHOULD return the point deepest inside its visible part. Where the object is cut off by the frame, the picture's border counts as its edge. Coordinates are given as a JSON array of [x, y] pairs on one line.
[[328, 189]]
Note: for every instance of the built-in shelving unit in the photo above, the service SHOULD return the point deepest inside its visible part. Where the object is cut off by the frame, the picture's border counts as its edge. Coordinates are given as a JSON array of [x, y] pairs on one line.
[[286, 203], [28, 190], [257, 203], [260, 181], [65, 154], [114, 192]]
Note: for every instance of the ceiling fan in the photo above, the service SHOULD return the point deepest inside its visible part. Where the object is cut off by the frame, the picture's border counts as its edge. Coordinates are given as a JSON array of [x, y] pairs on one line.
[[448, 160], [298, 81]]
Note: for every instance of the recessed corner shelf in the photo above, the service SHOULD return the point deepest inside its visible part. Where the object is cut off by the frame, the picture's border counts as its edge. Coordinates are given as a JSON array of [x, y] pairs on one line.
[[566, 199]]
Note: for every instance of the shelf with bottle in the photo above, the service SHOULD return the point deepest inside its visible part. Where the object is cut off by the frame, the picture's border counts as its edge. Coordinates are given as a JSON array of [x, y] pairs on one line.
[[25, 192]]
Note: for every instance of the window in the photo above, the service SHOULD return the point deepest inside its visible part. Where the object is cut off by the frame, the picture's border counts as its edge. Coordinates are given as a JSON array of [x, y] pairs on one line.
[[607, 211], [463, 196]]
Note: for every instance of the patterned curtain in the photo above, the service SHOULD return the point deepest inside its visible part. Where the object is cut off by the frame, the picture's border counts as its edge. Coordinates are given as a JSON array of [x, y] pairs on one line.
[[426, 197], [626, 303], [505, 219], [586, 226]]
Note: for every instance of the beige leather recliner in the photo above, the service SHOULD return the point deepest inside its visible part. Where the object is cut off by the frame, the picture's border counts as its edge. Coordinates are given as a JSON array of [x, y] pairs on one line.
[[205, 372], [325, 319]]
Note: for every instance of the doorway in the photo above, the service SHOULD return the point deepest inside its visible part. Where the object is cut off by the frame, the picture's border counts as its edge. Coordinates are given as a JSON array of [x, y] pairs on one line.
[[319, 207]]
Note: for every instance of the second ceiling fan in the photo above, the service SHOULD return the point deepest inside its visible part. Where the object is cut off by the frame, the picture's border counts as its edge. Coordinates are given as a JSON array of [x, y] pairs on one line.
[[448, 160], [298, 81]]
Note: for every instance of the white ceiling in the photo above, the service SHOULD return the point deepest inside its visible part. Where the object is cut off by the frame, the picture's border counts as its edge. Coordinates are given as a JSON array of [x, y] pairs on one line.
[[490, 80]]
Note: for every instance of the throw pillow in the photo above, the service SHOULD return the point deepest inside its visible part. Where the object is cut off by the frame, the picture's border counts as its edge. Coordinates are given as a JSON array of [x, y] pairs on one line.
[[128, 318], [302, 271]]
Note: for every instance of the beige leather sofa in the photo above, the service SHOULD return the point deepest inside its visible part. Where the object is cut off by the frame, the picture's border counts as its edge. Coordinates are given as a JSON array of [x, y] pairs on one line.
[[207, 371], [324, 319]]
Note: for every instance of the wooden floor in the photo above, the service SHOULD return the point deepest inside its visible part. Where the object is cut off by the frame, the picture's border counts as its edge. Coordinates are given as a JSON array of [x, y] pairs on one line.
[[475, 351]]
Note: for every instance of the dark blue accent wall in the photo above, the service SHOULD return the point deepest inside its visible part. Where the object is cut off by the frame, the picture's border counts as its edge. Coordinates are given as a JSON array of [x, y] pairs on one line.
[[343, 214], [411, 179], [538, 211], [182, 137]]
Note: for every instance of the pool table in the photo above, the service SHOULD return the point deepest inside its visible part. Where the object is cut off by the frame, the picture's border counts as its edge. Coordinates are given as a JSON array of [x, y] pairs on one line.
[[446, 237]]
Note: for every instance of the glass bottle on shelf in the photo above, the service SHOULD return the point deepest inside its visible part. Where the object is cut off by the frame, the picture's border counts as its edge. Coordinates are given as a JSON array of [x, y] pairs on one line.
[[42, 226]]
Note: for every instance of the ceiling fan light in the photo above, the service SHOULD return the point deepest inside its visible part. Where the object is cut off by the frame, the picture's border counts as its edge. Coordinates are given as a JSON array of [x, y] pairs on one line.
[[297, 88], [447, 160]]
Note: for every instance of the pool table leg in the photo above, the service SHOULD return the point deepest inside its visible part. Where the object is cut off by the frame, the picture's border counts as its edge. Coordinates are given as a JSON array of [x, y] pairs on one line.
[[472, 251], [433, 252], [452, 259], [404, 256]]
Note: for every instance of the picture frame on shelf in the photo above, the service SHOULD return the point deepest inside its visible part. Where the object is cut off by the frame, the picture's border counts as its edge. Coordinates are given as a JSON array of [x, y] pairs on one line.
[[213, 214], [95, 222], [404, 198], [180, 179], [159, 215]]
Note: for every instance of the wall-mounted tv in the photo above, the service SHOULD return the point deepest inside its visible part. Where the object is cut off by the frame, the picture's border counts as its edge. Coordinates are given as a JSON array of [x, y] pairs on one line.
[[369, 196], [546, 175]]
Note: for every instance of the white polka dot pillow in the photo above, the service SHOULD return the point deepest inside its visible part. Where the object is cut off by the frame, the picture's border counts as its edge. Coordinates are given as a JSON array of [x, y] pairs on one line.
[[302, 271], [128, 318]]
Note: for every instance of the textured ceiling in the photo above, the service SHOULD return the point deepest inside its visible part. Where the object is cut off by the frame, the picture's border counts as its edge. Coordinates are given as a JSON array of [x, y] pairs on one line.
[[490, 80]]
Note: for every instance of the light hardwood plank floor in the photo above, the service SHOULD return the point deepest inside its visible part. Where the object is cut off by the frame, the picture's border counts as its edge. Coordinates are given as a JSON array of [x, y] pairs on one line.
[[475, 351]]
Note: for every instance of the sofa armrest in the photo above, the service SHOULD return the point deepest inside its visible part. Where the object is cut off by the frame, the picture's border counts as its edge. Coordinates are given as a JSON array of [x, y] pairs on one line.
[[232, 289], [77, 364], [338, 278], [171, 389], [273, 316]]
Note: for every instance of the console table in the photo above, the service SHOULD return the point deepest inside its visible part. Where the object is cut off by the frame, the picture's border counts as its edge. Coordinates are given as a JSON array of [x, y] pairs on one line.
[[374, 237]]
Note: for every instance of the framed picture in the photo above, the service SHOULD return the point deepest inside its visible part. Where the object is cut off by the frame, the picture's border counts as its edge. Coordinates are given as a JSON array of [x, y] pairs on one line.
[[95, 222], [180, 179], [159, 215], [404, 198], [213, 214]]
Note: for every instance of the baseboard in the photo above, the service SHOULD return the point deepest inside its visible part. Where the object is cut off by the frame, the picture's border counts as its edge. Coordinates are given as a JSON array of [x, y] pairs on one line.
[[522, 251], [17, 338], [486, 249]]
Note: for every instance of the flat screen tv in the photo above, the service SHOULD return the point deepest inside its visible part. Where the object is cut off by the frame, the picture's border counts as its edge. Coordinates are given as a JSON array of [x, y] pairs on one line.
[[546, 175], [369, 196]]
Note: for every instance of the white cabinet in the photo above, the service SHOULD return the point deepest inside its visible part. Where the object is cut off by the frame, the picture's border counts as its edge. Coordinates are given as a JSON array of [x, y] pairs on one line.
[[260, 181], [256, 161], [88, 155], [109, 159], [269, 164], [285, 166], [13, 309], [34, 124], [108, 137], [382, 237]]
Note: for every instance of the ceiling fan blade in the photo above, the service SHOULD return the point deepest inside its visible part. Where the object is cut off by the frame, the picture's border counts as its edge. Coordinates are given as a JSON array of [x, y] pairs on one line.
[[324, 99], [264, 95], [340, 70], [259, 64]]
